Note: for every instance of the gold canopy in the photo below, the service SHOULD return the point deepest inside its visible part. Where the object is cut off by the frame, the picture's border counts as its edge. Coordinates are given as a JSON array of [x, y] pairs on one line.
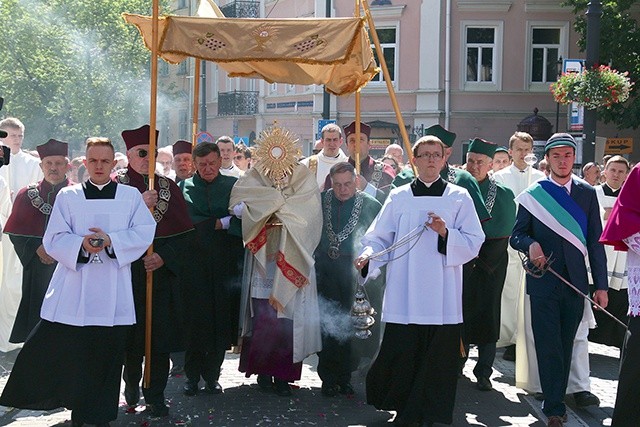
[[335, 52]]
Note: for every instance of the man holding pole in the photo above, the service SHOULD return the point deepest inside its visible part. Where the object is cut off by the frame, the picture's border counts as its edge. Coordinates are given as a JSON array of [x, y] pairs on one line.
[[166, 262], [74, 356], [557, 226]]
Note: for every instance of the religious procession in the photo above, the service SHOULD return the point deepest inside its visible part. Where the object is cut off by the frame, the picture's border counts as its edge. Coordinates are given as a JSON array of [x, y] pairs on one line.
[[376, 269], [216, 282]]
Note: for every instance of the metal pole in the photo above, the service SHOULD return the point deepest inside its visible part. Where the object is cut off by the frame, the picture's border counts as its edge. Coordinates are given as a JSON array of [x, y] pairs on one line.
[[326, 97], [203, 106], [594, 12], [559, 70], [196, 101]]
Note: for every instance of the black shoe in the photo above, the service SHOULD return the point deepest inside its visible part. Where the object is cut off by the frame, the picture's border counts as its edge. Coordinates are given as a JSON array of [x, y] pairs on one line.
[[586, 398], [347, 389], [329, 390], [484, 384], [157, 409], [132, 394], [282, 388], [265, 382], [539, 397], [510, 353], [212, 388], [190, 389]]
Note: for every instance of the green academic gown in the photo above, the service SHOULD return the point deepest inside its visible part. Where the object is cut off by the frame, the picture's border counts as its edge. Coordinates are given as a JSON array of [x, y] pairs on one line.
[[485, 275], [213, 268], [336, 279]]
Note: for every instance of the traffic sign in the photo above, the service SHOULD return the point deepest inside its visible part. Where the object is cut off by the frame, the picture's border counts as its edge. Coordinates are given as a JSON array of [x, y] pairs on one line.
[[322, 123], [619, 146], [204, 137]]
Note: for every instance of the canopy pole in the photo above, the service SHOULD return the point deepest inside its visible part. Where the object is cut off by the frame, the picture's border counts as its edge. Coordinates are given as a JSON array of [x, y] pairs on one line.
[[152, 171], [357, 159], [196, 102], [387, 80]]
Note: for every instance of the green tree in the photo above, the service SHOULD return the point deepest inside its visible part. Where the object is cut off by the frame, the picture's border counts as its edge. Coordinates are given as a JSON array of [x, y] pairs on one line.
[[71, 69], [620, 47]]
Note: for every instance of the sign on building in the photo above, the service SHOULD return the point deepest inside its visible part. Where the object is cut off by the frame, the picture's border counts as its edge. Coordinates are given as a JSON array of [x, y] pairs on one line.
[[322, 123], [576, 112], [619, 146]]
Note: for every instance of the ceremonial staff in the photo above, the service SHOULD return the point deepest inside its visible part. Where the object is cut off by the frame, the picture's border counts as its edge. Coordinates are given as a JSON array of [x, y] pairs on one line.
[[152, 172], [537, 272]]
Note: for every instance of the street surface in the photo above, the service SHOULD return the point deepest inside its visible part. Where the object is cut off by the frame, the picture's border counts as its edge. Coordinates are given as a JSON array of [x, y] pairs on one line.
[[243, 404]]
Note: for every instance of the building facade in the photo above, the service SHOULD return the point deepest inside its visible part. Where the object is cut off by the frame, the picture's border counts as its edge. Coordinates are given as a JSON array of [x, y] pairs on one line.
[[477, 67]]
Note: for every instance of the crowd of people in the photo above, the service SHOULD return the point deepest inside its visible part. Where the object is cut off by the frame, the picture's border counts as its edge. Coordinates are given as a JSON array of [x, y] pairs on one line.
[[97, 262]]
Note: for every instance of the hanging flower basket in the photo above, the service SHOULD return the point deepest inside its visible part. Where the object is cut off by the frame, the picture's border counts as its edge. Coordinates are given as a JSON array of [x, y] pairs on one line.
[[598, 87]]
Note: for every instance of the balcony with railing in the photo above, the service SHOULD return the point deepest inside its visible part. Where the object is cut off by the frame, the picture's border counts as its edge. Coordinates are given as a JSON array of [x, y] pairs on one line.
[[238, 103], [241, 9]]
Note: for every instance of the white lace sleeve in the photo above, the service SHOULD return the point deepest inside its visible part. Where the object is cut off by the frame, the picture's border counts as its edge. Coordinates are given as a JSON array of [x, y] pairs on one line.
[[633, 242]]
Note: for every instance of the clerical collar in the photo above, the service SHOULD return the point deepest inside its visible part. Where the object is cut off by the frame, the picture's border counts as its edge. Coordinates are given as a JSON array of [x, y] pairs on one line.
[[428, 184], [331, 157], [610, 191], [521, 170], [229, 168], [99, 186]]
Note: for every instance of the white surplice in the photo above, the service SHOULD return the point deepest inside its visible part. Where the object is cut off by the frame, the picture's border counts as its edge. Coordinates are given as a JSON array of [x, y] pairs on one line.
[[323, 165], [616, 260], [92, 294], [22, 170], [424, 286]]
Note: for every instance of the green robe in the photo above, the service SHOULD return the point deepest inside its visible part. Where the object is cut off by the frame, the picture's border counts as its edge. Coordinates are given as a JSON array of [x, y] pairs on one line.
[[336, 280], [212, 291], [503, 214], [485, 275]]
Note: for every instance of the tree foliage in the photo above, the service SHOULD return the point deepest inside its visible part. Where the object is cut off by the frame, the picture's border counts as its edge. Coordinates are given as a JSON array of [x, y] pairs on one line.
[[619, 47], [72, 69]]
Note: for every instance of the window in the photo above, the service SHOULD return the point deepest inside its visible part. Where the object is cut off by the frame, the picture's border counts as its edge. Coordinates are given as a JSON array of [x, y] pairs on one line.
[[545, 54], [388, 43], [480, 51], [482, 56], [183, 129], [273, 88], [546, 43]]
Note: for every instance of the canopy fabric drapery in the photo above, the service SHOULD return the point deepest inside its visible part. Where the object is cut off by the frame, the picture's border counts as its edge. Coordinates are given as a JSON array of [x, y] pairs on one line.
[[335, 52]]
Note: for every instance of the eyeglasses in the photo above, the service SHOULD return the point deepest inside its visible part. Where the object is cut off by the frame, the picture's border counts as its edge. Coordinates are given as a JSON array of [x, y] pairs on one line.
[[144, 153], [434, 156], [238, 158]]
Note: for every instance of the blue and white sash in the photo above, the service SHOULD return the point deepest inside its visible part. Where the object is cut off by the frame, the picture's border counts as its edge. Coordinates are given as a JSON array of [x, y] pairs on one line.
[[555, 208]]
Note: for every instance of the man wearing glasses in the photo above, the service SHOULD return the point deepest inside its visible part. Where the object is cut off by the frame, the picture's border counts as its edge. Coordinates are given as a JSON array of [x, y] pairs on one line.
[[416, 370], [171, 239]]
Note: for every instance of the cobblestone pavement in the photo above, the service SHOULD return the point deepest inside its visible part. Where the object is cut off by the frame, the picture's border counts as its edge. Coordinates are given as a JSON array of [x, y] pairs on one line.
[[243, 404]]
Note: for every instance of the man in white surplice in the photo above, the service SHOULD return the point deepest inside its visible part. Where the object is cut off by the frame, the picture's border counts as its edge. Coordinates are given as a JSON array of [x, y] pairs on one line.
[[75, 354], [416, 370], [23, 169], [331, 154]]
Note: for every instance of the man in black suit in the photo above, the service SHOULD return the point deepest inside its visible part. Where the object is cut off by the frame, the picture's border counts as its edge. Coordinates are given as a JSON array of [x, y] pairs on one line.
[[558, 222]]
